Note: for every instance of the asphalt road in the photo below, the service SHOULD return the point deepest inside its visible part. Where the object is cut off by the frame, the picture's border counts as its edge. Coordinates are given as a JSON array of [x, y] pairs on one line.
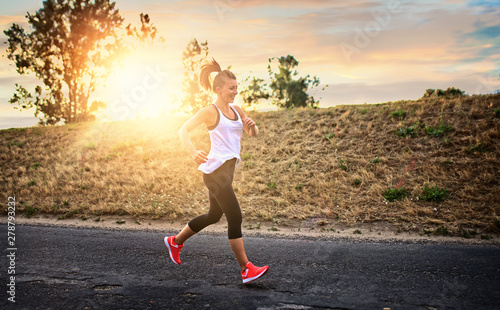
[[79, 268]]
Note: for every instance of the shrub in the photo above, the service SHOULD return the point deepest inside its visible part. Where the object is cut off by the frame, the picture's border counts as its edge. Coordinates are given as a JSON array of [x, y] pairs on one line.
[[247, 156], [29, 210], [271, 185], [450, 92], [36, 166], [494, 225], [343, 164], [399, 114], [497, 112], [438, 131], [18, 144], [442, 231], [446, 140], [406, 132], [356, 182], [476, 148], [329, 136], [434, 194], [395, 194]]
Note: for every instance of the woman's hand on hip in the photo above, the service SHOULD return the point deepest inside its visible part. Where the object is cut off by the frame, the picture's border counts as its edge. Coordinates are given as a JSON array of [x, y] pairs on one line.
[[199, 157]]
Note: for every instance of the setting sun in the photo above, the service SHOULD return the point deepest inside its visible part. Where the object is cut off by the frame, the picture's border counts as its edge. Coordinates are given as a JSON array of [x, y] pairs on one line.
[[146, 84]]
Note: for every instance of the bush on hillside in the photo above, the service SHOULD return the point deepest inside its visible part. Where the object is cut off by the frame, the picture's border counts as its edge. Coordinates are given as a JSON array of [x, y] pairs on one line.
[[451, 92]]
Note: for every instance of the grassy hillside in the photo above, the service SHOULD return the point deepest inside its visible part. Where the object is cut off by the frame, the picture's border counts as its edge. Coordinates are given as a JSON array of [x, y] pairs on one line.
[[352, 164]]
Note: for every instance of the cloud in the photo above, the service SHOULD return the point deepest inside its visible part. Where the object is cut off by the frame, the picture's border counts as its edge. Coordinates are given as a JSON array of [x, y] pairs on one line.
[[487, 33], [485, 6], [424, 44], [7, 21]]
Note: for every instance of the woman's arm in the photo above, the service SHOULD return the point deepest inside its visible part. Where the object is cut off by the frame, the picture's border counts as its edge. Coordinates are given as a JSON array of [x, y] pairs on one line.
[[248, 124], [201, 117]]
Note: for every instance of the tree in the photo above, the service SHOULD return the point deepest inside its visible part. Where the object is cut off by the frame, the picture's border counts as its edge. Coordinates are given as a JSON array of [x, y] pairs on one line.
[[147, 33], [288, 92], [72, 49], [255, 90], [193, 56]]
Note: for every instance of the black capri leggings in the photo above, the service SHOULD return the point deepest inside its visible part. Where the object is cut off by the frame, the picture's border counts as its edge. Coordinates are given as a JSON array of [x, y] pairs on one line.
[[222, 201]]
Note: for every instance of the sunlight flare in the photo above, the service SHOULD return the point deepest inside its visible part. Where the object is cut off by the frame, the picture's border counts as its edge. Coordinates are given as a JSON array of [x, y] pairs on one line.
[[146, 84]]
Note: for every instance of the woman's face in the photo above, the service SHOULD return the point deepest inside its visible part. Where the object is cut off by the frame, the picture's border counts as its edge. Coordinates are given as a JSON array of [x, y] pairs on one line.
[[229, 91]]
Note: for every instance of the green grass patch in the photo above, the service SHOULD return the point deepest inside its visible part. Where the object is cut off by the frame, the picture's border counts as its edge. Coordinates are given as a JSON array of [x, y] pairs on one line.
[[329, 137], [467, 233], [343, 164], [18, 144], [439, 130], [400, 114], [495, 225], [442, 231], [406, 132], [272, 185], [29, 210], [480, 148], [247, 156], [90, 146], [36, 166], [434, 194], [446, 140], [69, 214], [393, 194]]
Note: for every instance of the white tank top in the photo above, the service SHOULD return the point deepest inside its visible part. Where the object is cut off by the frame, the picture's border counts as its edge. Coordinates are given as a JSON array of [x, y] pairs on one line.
[[225, 141]]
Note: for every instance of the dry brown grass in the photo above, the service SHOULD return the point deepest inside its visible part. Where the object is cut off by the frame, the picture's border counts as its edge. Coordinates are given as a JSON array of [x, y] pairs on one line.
[[302, 167]]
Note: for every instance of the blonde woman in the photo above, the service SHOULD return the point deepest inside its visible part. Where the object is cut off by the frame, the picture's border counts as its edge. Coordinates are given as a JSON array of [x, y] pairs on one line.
[[225, 123]]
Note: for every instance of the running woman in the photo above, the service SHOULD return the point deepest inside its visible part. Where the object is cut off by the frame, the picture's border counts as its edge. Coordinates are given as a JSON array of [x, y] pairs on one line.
[[225, 123]]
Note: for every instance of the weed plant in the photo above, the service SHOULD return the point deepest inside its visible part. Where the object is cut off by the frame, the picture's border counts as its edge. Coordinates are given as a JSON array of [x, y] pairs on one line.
[[434, 194], [439, 130], [393, 194]]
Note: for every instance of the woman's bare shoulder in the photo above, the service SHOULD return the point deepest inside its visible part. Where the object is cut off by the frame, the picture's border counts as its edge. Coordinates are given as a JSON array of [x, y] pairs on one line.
[[208, 114], [240, 110]]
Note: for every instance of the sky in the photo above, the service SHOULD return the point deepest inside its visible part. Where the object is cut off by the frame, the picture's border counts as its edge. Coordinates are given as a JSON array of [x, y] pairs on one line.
[[365, 51]]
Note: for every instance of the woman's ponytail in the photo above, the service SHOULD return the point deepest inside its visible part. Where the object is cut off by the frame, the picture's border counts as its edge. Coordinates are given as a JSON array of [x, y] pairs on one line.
[[208, 69]]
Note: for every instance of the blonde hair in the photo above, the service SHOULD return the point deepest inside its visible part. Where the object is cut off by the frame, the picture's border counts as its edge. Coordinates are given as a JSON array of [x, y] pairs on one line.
[[219, 79]]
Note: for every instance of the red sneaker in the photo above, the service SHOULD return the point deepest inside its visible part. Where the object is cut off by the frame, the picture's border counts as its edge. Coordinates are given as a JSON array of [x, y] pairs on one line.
[[253, 272], [173, 249]]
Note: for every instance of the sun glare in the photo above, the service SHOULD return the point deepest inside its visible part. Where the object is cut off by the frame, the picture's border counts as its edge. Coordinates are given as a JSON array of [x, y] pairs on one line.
[[147, 84]]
